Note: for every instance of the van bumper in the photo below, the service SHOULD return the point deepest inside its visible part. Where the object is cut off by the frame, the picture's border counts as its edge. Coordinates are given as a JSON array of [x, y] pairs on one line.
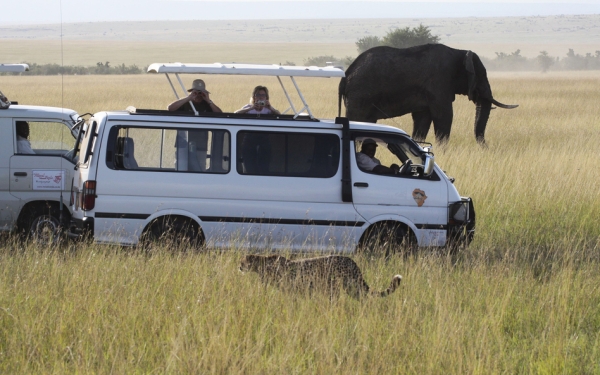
[[461, 222], [81, 228]]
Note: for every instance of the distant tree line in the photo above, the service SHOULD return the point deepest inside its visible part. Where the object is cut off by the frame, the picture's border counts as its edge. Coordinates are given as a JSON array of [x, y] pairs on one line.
[[399, 38], [99, 68], [544, 61]]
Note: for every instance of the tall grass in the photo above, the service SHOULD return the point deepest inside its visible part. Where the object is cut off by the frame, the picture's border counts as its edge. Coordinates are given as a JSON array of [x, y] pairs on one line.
[[523, 298]]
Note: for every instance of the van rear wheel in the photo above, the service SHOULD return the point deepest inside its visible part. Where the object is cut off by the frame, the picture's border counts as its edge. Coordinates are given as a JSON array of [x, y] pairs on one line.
[[388, 238], [175, 232]]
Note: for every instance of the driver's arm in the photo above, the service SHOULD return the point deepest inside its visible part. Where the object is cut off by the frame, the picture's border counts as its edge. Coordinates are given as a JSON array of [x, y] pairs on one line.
[[381, 169]]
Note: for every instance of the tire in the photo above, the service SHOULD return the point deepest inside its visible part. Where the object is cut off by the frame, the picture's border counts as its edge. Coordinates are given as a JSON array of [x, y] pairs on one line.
[[42, 225], [176, 232], [385, 239]]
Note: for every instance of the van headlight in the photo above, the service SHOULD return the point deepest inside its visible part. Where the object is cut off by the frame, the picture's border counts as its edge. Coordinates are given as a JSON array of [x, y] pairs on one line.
[[459, 212]]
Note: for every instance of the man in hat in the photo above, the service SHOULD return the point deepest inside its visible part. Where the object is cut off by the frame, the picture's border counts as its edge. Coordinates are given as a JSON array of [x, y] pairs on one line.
[[368, 162], [199, 97]]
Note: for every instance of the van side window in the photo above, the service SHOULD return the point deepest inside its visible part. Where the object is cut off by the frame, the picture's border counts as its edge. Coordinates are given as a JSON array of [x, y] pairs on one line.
[[168, 149], [287, 154], [43, 138]]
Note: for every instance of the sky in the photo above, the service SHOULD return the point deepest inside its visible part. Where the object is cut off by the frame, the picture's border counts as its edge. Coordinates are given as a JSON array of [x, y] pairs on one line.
[[69, 11]]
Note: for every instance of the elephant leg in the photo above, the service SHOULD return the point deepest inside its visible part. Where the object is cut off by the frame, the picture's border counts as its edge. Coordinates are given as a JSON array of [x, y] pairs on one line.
[[442, 123], [421, 125]]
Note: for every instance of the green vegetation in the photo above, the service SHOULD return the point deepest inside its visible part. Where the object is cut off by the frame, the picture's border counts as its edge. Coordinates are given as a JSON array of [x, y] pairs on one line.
[[515, 62], [100, 68], [399, 38]]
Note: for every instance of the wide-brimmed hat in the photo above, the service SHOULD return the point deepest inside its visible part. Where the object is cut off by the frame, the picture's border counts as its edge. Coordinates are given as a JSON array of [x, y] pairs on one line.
[[369, 141], [199, 85]]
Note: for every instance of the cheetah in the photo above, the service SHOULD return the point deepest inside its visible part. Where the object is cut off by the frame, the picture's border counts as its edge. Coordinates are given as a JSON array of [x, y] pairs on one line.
[[329, 273]]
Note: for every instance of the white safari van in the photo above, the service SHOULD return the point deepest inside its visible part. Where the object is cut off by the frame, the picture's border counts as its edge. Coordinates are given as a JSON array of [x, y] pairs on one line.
[[36, 166], [287, 181]]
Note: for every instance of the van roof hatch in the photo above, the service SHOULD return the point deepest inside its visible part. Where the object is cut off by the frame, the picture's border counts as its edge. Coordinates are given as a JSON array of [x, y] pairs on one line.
[[13, 68], [250, 69]]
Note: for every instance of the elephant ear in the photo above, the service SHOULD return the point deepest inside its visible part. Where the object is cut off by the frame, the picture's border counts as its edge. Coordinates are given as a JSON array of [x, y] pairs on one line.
[[472, 77]]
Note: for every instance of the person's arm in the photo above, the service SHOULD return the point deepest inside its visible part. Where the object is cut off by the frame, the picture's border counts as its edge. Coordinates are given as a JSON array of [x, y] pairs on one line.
[[245, 109], [180, 102], [213, 106], [382, 169], [365, 162], [24, 147], [273, 110], [368, 164]]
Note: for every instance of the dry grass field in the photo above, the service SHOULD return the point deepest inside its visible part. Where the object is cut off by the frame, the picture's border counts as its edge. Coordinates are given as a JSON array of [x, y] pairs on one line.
[[523, 298]]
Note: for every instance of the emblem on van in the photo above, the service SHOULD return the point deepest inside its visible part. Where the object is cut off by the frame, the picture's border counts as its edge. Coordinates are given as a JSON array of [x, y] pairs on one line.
[[419, 196]]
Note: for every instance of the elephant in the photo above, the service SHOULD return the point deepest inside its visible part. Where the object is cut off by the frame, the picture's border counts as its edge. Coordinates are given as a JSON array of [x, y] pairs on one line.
[[386, 82]]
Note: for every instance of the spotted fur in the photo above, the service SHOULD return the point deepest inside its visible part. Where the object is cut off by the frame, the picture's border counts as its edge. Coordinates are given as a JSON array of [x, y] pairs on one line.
[[329, 273]]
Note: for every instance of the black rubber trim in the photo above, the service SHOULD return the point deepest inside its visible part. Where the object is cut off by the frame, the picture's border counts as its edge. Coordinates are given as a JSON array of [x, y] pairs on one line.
[[116, 215], [263, 220], [432, 226]]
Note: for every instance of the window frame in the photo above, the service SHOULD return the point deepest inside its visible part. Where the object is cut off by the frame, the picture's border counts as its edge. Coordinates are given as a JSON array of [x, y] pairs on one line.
[[113, 135], [239, 153]]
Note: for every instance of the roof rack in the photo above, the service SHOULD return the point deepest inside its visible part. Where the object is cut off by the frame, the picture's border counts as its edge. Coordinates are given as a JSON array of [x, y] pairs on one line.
[[250, 69], [162, 112], [10, 68]]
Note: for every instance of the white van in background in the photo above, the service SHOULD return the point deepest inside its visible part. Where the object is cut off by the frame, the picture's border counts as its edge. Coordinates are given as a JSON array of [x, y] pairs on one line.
[[36, 170], [258, 181]]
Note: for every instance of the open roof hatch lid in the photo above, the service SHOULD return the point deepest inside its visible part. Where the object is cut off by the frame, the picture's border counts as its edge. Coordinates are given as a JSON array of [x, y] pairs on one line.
[[250, 69]]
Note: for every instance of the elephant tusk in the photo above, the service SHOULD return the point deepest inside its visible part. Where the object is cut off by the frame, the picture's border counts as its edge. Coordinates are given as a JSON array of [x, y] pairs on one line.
[[505, 106]]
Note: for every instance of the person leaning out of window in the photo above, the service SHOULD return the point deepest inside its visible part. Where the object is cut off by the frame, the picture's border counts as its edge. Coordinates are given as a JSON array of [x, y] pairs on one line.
[[259, 103]]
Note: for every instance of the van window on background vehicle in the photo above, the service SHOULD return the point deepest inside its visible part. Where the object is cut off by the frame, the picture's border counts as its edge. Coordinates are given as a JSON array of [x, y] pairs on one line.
[[288, 154], [183, 150], [48, 138]]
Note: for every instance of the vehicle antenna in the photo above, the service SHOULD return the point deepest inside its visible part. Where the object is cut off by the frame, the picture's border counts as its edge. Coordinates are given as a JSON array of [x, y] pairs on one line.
[[62, 106]]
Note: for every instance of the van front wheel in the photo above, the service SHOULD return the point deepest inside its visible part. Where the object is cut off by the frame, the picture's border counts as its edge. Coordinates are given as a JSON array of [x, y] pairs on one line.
[[42, 225], [175, 232], [388, 238]]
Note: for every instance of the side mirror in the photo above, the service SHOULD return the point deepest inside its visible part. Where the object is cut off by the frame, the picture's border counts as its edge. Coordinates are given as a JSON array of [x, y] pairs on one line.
[[428, 164]]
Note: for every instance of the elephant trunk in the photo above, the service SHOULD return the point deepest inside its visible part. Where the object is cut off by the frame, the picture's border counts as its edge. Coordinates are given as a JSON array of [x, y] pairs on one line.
[[482, 114]]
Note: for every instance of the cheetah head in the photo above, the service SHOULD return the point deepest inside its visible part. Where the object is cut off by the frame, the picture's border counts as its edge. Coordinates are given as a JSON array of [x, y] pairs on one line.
[[261, 263]]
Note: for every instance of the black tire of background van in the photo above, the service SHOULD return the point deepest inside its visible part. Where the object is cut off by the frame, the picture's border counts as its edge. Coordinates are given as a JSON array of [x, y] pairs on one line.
[[40, 222], [387, 238], [175, 232]]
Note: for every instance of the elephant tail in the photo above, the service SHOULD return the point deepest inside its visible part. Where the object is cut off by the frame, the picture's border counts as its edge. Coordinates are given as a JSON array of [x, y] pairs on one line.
[[341, 92]]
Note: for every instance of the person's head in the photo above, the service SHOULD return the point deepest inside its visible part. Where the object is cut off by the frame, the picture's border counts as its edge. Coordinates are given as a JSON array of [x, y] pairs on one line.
[[22, 128], [260, 93], [198, 86], [369, 146]]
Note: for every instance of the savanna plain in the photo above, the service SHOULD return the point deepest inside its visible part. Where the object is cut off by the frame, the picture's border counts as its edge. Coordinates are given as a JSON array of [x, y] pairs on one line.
[[524, 297]]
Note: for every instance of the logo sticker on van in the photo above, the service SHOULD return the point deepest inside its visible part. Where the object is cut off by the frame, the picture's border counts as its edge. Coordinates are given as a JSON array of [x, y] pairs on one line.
[[48, 180], [419, 196]]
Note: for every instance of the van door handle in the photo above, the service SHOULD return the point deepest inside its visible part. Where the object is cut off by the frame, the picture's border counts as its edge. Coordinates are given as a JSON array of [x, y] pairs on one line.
[[361, 184], [20, 174]]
